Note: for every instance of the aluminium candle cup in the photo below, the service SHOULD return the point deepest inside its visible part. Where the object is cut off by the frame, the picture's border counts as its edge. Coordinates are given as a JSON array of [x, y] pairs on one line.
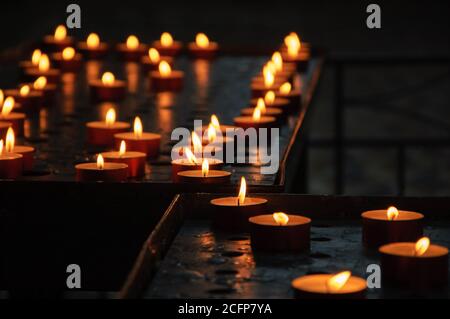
[[111, 172], [52, 75], [148, 143], [208, 53], [30, 103], [54, 45], [171, 82], [196, 177], [100, 92], [11, 165], [131, 55], [401, 268], [228, 216], [68, 66], [97, 53], [315, 287], [377, 230], [15, 120], [102, 134], [27, 153], [148, 65], [171, 51], [182, 164], [134, 160], [268, 236], [260, 89]]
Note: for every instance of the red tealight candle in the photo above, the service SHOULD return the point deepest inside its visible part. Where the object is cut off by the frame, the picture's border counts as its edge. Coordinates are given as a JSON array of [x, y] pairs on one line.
[[204, 176], [102, 133], [68, 61], [43, 69], [272, 101], [294, 53], [165, 79], [4, 126], [261, 105], [29, 100], [59, 40], [27, 152], [14, 119], [232, 213], [280, 233], [11, 164], [293, 95], [415, 265], [259, 89], [132, 50], [167, 46], [93, 48], [150, 62], [33, 62], [283, 68], [108, 88], [190, 162], [218, 126], [101, 171], [256, 120], [140, 141], [134, 160], [387, 226], [47, 89], [202, 48]]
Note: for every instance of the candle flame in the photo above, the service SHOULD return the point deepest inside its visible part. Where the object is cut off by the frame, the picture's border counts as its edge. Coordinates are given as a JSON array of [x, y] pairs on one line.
[[166, 39], [337, 282], [132, 42], [285, 88], [123, 148], [205, 168], [100, 162], [1, 147], [24, 90], [293, 44], [68, 53], [93, 41], [36, 56], [212, 135], [261, 105], [164, 69], [269, 77], [196, 143], [215, 122], [108, 78], [277, 61], [60, 33], [242, 191], [269, 97], [392, 213], [256, 114], [154, 56], [40, 83], [190, 156], [281, 218], [44, 63], [8, 105], [422, 246], [10, 140], [202, 40], [270, 65], [138, 127], [110, 118]]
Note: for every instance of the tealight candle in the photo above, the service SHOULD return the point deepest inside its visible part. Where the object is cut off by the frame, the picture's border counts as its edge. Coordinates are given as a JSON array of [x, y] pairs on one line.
[[261, 105], [59, 40], [102, 133], [134, 160], [233, 213], [325, 286], [294, 53], [28, 99], [140, 141], [256, 120], [4, 126], [68, 61], [101, 171], [190, 162], [151, 61], [27, 152], [48, 90], [272, 101], [212, 136], [93, 48], [165, 79], [387, 226], [222, 128], [44, 69], [259, 89], [33, 62], [132, 50], [202, 48], [11, 164], [204, 176], [200, 149], [167, 46], [16, 120], [416, 265], [280, 233], [108, 88], [293, 95], [283, 68], [280, 77]]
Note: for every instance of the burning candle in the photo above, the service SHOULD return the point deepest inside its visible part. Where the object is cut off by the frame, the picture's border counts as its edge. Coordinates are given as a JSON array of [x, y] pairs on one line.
[[259, 89], [272, 101], [59, 40], [167, 46], [200, 147], [47, 89], [11, 164], [294, 53], [283, 68], [261, 105], [279, 77], [165, 79], [101, 171], [16, 120], [232, 213], [93, 48], [108, 88], [102, 133], [324, 286], [190, 162], [44, 69], [134, 160], [280, 232], [415, 265], [29, 100], [27, 152], [387, 226], [293, 95], [202, 48], [33, 62], [151, 61], [132, 50], [204, 176], [68, 60], [222, 128], [256, 120], [4, 126], [140, 141]]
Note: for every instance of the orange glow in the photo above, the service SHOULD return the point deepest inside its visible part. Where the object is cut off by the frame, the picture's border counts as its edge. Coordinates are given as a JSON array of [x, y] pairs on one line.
[[40, 83], [100, 162], [108, 79], [242, 191], [277, 61], [337, 282], [293, 44], [8, 105], [60, 33], [2, 97], [10, 140], [190, 156], [1, 147], [36, 56], [164, 69], [212, 135], [421, 245], [44, 63], [138, 127], [196, 143], [68, 53], [269, 77], [24, 90], [256, 115], [392, 213], [281, 218], [123, 148], [261, 105], [110, 118], [154, 56], [202, 40], [205, 168], [132, 42], [271, 67], [215, 122], [166, 39], [286, 88], [269, 98], [93, 41]]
